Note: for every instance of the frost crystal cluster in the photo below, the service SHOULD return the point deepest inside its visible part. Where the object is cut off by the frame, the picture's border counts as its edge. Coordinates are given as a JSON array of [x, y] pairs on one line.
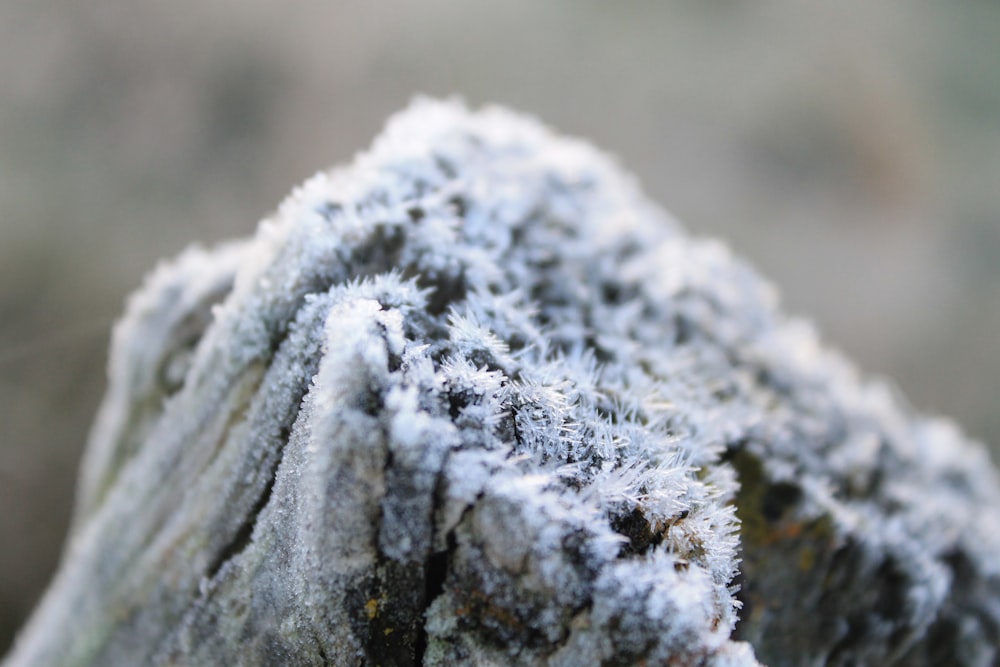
[[473, 400]]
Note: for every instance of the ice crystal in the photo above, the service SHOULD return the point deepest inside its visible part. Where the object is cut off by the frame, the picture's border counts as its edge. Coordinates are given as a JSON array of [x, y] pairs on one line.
[[474, 400]]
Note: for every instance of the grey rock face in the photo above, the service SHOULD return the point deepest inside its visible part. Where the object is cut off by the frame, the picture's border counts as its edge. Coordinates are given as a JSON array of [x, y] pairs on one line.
[[474, 400]]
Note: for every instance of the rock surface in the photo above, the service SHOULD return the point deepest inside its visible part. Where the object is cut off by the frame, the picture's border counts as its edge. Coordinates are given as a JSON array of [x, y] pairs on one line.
[[474, 400]]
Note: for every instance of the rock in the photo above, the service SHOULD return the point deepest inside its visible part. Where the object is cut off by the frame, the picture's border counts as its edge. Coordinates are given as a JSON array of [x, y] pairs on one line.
[[474, 400]]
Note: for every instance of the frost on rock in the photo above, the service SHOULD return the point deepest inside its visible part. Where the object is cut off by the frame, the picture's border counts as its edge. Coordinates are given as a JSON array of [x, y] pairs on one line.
[[473, 400]]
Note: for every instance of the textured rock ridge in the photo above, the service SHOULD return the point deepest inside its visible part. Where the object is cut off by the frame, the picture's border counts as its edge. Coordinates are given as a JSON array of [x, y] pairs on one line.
[[473, 400]]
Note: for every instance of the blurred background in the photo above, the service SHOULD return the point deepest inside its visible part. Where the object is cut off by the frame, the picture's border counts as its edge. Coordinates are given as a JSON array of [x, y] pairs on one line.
[[849, 149]]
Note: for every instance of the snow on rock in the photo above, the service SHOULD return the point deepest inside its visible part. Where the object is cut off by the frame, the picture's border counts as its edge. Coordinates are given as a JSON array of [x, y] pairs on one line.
[[473, 400]]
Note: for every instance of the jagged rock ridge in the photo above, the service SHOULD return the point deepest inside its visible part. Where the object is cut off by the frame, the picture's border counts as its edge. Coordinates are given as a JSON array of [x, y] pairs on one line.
[[474, 400]]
